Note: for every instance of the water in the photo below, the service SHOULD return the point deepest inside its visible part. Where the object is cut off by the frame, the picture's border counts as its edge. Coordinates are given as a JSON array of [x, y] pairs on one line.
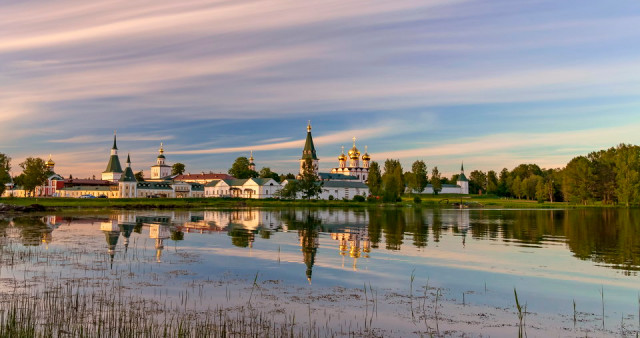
[[471, 260]]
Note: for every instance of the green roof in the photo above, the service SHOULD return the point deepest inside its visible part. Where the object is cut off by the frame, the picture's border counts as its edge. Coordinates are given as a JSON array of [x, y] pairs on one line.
[[262, 181], [154, 185], [212, 183], [309, 151], [114, 142], [344, 184], [462, 178], [128, 176], [114, 165], [197, 187]]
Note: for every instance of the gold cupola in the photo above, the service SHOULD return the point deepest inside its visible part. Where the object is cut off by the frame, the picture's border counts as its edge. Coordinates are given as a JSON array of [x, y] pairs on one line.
[[354, 153], [342, 156], [50, 164], [366, 156]]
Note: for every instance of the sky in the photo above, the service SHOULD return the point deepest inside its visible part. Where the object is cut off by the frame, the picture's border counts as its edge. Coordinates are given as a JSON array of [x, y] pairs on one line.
[[489, 83]]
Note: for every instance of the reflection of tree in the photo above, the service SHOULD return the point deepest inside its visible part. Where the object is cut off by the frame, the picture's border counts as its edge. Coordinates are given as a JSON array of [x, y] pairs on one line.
[[177, 235], [375, 226], [240, 236], [32, 229], [417, 225], [4, 224], [436, 227], [394, 222]]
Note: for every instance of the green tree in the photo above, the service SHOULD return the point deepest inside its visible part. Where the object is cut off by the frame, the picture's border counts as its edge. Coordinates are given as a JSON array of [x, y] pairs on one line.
[[420, 180], [240, 169], [310, 185], [627, 174], [267, 173], [288, 176], [492, 182], [34, 173], [392, 181], [177, 169], [5, 167], [477, 182], [289, 191], [578, 180], [139, 176], [516, 187], [436, 182], [374, 181], [503, 183]]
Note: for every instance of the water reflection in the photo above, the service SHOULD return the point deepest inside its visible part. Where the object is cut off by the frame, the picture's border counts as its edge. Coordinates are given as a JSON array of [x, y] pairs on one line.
[[607, 237]]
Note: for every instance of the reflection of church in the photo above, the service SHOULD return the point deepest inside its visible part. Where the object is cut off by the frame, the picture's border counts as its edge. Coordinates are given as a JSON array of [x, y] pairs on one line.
[[355, 242], [309, 246]]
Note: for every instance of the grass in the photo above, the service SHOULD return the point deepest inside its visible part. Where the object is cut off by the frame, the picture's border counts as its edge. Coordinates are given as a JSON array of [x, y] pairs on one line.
[[430, 201]]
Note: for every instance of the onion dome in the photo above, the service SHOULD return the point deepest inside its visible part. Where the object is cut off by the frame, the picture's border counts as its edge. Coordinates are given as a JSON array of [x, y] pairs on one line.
[[342, 156], [161, 150], [354, 153], [50, 162], [366, 156]]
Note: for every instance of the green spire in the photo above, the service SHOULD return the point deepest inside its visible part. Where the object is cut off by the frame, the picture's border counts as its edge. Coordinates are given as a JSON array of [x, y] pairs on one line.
[[128, 175], [462, 177], [128, 159], [462, 167], [114, 141], [309, 151]]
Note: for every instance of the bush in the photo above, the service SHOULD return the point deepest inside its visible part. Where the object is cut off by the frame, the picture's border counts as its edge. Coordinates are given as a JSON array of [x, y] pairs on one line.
[[358, 198], [331, 197], [417, 200]]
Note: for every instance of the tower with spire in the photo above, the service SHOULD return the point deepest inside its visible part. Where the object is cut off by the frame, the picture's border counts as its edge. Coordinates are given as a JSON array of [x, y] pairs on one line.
[[309, 152], [114, 170], [462, 181], [128, 183], [50, 164], [160, 169], [252, 166]]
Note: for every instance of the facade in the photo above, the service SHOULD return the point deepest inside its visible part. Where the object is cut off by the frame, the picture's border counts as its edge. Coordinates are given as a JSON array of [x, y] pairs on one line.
[[243, 188]]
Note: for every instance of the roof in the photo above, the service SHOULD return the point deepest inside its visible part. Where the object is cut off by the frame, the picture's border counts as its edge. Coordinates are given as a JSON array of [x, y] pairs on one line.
[[263, 181], [309, 151], [128, 176], [344, 184], [114, 142], [445, 185], [85, 182], [340, 177], [114, 164], [87, 188], [197, 187], [462, 178], [210, 176], [154, 185], [212, 183]]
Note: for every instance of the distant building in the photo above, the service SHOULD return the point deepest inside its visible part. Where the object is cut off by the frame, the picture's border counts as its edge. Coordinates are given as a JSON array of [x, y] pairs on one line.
[[202, 178], [353, 168], [460, 187]]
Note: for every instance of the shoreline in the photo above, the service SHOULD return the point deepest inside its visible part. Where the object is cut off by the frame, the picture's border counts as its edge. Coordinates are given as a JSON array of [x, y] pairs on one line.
[[427, 201]]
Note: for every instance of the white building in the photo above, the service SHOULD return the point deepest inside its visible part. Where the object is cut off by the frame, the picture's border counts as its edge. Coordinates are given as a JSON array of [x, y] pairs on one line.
[[353, 168], [114, 170], [243, 188]]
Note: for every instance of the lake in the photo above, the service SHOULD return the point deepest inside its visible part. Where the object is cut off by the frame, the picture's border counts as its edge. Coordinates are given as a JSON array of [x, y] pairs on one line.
[[339, 272]]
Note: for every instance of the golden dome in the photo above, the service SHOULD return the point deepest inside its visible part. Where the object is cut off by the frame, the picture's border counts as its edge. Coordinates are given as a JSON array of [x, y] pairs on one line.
[[50, 161], [366, 156], [354, 153], [342, 156]]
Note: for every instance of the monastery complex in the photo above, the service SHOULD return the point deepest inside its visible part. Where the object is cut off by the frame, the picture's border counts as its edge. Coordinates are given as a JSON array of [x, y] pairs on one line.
[[345, 181]]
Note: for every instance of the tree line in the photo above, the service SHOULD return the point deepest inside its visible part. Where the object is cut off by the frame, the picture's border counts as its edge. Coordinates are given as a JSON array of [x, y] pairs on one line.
[[610, 176]]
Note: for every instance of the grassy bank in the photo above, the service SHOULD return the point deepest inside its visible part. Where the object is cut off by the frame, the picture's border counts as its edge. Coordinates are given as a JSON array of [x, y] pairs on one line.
[[443, 200]]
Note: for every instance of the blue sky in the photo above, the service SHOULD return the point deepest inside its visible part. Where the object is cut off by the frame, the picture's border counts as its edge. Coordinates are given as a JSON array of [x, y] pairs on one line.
[[491, 83]]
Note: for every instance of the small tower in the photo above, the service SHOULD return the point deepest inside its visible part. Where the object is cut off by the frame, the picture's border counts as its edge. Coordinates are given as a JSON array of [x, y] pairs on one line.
[[342, 159], [160, 170], [463, 182], [309, 152], [252, 166], [128, 184], [366, 158], [114, 170], [354, 156], [50, 164]]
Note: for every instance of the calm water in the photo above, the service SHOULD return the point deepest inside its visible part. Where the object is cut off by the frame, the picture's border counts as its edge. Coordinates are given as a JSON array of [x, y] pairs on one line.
[[552, 258]]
